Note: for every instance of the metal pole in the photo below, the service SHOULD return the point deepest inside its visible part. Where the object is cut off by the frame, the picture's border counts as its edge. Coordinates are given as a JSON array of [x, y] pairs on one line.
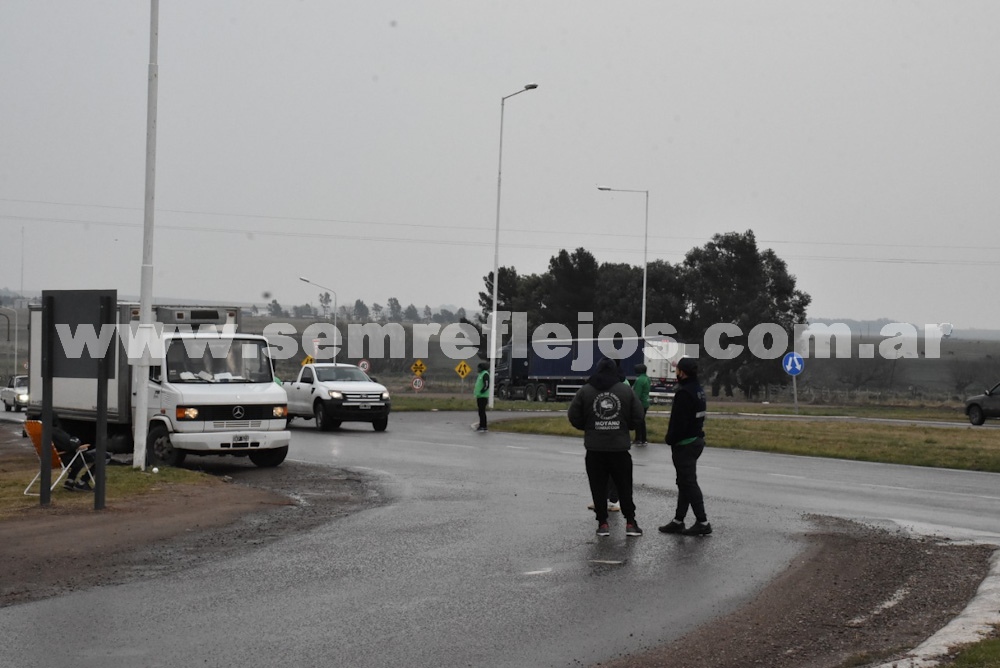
[[494, 347], [336, 347], [645, 250], [795, 395], [645, 266], [141, 417]]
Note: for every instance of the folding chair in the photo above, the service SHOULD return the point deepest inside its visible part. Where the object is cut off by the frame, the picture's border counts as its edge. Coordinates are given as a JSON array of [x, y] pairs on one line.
[[34, 430]]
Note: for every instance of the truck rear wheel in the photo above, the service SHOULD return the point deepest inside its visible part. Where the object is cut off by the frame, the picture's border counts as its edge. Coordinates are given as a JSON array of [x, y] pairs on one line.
[[269, 458], [542, 393], [159, 449]]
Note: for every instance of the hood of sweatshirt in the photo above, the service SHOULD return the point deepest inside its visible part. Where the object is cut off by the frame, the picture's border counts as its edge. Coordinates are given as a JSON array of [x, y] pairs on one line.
[[605, 375]]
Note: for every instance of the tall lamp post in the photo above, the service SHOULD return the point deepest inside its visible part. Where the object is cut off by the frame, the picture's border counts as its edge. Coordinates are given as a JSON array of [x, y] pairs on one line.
[[494, 349], [645, 247], [336, 347]]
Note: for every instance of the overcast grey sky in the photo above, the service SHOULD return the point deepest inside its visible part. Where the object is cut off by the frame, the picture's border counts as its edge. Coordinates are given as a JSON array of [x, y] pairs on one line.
[[356, 143]]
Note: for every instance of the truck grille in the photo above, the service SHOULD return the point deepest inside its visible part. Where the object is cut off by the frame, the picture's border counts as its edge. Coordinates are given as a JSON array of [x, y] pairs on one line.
[[362, 396], [225, 425]]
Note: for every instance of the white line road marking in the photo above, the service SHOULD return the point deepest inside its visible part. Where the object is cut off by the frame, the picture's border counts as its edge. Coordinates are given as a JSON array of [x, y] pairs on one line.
[[541, 572], [606, 561]]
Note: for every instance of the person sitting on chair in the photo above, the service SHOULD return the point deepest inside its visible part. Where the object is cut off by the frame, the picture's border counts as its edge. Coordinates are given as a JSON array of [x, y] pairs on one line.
[[67, 446]]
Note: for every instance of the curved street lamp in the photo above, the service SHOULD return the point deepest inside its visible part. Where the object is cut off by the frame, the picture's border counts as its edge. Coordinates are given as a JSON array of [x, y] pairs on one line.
[[494, 349], [336, 347], [645, 246]]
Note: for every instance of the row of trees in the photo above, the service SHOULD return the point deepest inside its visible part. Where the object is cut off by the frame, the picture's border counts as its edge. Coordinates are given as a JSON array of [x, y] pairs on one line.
[[728, 280], [361, 312]]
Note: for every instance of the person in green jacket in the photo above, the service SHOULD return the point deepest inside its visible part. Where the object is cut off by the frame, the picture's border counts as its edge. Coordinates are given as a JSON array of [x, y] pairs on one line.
[[641, 389], [482, 393]]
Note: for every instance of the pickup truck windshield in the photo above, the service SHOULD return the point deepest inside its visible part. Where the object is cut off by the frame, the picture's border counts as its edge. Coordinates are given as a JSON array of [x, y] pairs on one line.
[[218, 361], [328, 374]]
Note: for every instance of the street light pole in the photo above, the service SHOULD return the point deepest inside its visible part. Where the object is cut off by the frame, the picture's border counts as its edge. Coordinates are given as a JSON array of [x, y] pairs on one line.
[[494, 348], [645, 249], [336, 346]]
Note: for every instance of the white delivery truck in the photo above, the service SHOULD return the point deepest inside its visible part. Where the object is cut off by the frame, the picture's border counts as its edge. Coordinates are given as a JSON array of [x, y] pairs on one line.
[[213, 394]]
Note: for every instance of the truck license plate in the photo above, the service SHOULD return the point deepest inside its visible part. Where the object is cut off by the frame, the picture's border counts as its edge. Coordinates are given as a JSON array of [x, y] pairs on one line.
[[364, 406], [241, 438]]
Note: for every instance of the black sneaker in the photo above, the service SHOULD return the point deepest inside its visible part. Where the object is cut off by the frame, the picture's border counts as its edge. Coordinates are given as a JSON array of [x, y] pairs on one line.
[[69, 486], [632, 528], [698, 529], [673, 526], [603, 529], [84, 486]]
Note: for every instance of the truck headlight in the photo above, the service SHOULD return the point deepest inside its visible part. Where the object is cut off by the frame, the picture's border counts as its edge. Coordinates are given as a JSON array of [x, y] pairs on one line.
[[385, 396], [23, 398], [334, 394], [184, 413], [280, 411]]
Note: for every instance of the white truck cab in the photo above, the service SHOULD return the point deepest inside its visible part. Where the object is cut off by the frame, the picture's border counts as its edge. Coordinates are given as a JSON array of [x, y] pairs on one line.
[[213, 393]]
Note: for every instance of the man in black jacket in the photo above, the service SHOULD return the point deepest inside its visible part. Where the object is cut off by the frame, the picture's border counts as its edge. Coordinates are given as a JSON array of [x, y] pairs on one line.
[[686, 438], [607, 410]]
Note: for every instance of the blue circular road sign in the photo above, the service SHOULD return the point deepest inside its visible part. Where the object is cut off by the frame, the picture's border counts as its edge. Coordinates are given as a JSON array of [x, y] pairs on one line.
[[793, 363]]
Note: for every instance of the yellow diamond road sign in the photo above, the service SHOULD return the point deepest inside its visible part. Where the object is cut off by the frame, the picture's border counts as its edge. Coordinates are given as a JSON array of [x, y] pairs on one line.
[[463, 369], [418, 367]]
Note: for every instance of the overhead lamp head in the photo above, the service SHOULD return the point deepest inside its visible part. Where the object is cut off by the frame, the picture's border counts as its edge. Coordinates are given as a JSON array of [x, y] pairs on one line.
[[531, 86], [603, 188]]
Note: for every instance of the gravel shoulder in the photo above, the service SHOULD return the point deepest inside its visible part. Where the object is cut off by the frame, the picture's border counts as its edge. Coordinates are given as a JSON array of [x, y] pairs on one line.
[[856, 595]]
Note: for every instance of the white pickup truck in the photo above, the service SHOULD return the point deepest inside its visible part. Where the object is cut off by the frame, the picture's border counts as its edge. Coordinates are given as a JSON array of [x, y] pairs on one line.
[[336, 393], [15, 394]]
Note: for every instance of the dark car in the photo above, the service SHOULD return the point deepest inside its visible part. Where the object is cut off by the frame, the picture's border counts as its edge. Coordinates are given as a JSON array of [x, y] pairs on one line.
[[982, 406]]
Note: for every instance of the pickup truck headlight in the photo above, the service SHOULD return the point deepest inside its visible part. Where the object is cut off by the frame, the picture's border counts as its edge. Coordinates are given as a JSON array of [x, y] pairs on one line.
[[280, 411], [385, 396], [23, 397], [185, 413], [334, 394]]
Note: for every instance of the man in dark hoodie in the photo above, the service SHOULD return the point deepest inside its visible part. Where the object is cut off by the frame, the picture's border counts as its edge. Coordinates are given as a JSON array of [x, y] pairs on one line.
[[606, 410], [686, 438]]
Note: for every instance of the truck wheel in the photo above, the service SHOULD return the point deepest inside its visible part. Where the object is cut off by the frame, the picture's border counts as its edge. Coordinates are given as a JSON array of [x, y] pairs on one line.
[[266, 459], [323, 423], [7, 406], [159, 450], [529, 393], [976, 415], [17, 408], [380, 425], [542, 394], [503, 392]]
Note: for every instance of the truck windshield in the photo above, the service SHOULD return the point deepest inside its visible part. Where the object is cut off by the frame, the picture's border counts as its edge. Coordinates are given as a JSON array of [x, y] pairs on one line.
[[328, 374], [199, 360]]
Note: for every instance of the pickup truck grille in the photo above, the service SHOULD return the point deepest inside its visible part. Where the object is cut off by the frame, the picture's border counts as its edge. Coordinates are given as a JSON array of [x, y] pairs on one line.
[[362, 396], [225, 425]]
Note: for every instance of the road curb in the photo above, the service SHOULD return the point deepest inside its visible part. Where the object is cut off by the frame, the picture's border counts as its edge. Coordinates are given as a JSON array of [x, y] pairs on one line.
[[973, 624]]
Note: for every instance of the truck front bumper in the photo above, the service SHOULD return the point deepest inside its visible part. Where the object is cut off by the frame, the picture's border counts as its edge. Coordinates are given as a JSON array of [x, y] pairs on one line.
[[230, 441]]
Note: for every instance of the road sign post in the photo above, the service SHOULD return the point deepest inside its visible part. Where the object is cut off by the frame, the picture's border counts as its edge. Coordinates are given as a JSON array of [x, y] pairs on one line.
[[793, 364]]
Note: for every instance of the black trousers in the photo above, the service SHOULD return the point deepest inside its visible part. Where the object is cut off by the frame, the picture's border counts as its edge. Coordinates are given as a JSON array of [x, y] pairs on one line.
[[618, 467], [685, 459], [481, 405], [640, 429]]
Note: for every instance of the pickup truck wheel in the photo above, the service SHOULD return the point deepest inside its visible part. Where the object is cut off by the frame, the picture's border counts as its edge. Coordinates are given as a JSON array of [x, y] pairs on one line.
[[380, 425], [159, 449], [17, 408], [269, 458], [323, 423], [7, 406], [976, 415]]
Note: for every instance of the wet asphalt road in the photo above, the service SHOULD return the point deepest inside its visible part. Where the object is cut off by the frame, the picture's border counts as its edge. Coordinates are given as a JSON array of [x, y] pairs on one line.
[[482, 553]]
